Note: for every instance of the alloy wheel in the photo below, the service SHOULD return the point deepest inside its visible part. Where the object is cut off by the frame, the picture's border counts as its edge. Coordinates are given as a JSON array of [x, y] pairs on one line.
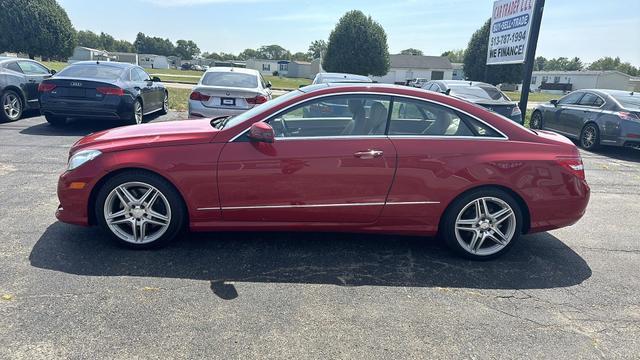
[[12, 106], [485, 226], [165, 103], [536, 121], [138, 112], [137, 212], [589, 136]]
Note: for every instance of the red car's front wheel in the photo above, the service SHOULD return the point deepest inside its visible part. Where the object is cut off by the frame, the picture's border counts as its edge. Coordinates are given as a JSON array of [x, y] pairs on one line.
[[140, 209]]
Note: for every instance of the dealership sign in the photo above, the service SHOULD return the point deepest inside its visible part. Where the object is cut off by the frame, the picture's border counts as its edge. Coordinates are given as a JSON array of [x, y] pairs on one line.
[[510, 31]]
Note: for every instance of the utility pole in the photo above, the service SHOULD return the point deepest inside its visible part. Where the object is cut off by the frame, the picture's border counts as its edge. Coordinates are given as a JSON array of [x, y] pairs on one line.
[[531, 56]]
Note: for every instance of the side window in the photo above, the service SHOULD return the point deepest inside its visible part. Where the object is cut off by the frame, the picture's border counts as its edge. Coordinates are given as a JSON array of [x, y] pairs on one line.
[[598, 102], [340, 115], [571, 99], [414, 117], [590, 100], [134, 75], [31, 68], [142, 74], [14, 66]]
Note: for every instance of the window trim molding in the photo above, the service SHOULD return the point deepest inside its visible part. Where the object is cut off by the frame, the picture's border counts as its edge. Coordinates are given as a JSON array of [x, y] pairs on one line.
[[393, 96]]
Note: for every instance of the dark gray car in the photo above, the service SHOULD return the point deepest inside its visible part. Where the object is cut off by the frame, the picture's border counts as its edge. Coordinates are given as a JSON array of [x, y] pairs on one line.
[[594, 117], [479, 93], [19, 80]]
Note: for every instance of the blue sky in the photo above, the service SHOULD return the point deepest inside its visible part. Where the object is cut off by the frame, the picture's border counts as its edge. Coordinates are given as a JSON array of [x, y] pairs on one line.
[[589, 29]]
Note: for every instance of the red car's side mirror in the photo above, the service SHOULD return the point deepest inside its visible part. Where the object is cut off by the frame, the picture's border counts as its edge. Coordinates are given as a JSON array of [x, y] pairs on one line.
[[262, 132]]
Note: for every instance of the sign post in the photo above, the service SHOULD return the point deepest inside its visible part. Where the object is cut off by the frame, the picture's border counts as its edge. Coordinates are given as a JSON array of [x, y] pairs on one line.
[[513, 38]]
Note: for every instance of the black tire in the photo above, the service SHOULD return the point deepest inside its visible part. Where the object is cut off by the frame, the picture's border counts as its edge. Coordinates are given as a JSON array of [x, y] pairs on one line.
[[15, 105], [590, 137], [177, 209], [462, 207], [536, 120], [137, 113], [165, 104], [56, 120]]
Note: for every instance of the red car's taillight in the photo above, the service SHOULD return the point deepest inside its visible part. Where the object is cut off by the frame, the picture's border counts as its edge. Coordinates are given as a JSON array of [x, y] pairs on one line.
[[198, 96], [573, 164], [260, 99], [46, 87], [110, 91]]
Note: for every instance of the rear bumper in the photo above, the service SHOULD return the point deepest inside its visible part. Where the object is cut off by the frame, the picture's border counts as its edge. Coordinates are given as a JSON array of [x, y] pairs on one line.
[[197, 110], [561, 211], [120, 108]]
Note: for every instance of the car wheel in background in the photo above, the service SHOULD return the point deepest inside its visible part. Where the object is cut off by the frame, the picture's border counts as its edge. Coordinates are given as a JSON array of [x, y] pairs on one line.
[[140, 210], [11, 106], [137, 115], [482, 224], [56, 120], [536, 120], [165, 104], [590, 137]]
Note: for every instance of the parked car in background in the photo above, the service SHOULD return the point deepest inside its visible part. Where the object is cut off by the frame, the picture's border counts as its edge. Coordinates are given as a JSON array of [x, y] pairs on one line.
[[19, 80], [419, 82], [483, 94], [225, 91], [446, 167], [593, 117], [326, 78], [105, 90]]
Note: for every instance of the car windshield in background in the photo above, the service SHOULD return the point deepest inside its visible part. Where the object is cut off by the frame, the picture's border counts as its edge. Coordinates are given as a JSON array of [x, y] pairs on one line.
[[230, 79], [92, 71], [629, 101], [479, 92]]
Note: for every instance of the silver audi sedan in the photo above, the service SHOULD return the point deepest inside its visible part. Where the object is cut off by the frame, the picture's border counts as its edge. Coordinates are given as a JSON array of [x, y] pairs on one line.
[[226, 91], [593, 117]]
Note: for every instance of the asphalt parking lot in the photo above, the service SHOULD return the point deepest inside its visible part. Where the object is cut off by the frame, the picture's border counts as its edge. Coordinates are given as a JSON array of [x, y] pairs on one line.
[[68, 292]]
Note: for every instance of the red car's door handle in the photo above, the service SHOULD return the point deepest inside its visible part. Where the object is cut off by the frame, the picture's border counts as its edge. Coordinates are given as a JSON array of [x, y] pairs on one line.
[[369, 154]]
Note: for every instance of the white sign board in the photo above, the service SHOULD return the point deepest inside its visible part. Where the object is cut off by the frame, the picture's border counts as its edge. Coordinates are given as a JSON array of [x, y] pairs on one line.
[[509, 33]]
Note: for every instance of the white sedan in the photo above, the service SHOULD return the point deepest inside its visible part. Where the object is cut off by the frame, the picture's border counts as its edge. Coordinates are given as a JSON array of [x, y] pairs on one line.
[[224, 91]]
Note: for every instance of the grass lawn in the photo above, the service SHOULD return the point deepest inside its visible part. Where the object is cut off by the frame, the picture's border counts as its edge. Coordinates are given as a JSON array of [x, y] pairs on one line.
[[534, 96], [178, 99], [55, 65]]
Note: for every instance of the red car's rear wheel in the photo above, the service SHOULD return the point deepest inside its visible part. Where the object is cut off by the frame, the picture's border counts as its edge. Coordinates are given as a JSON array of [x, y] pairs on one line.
[[482, 224]]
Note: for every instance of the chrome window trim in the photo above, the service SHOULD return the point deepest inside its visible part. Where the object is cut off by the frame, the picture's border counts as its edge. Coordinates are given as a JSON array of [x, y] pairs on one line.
[[319, 205], [505, 137]]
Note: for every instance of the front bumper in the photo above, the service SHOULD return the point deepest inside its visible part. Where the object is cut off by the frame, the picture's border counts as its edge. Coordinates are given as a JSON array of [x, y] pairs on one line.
[[75, 200]]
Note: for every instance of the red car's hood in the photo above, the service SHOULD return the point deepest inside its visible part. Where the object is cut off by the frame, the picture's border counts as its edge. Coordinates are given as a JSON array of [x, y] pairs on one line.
[[148, 135]]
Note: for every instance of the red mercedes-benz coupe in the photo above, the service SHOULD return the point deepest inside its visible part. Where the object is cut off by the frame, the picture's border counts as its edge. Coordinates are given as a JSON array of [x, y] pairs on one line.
[[352, 158]]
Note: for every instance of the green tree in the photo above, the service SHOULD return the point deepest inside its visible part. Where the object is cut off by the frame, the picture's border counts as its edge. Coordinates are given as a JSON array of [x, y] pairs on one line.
[[153, 45], [540, 63], [122, 46], [605, 63], [455, 56], [187, 49], [300, 56], [248, 54], [89, 39], [475, 59], [412, 51], [273, 52], [36, 27], [317, 49], [357, 45], [628, 69]]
